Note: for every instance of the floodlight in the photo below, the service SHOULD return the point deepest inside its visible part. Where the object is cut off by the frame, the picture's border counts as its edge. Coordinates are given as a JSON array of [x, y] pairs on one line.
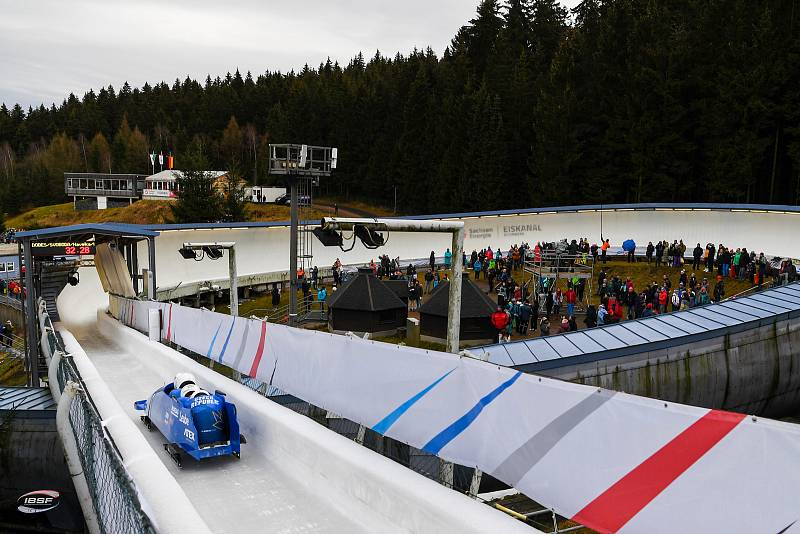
[[213, 253], [187, 253], [329, 238], [369, 238]]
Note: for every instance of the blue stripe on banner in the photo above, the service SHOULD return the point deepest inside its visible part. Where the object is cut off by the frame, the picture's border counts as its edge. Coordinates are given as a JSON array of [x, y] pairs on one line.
[[213, 340], [451, 432], [227, 338], [390, 419]]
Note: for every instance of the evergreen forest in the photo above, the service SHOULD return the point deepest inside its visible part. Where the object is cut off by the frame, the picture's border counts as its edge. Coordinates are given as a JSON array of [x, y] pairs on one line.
[[530, 105]]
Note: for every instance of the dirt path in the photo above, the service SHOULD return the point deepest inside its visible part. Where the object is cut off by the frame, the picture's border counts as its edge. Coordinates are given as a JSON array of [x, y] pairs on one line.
[[345, 211]]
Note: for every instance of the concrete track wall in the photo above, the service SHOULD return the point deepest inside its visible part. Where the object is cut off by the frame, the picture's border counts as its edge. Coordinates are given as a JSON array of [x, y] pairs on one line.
[[755, 370], [263, 249]]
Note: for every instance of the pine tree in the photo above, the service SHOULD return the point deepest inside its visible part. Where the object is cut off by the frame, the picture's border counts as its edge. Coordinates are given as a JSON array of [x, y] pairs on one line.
[[196, 198]]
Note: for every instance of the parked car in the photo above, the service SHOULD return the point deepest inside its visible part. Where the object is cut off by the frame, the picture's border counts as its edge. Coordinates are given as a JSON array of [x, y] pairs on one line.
[[285, 200]]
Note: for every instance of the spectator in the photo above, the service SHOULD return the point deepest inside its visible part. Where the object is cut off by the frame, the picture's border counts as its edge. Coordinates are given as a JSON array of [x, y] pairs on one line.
[[412, 296], [432, 261], [544, 327], [525, 312], [428, 281], [570, 297], [604, 248], [322, 295], [276, 295], [697, 254], [601, 315], [499, 320], [591, 316], [448, 257], [719, 289], [649, 251], [659, 253], [573, 324]]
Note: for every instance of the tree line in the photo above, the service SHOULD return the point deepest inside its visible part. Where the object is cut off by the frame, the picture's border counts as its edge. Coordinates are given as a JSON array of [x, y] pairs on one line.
[[530, 105]]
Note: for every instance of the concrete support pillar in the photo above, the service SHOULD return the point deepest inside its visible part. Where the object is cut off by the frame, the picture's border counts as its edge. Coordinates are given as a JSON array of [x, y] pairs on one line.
[[234, 283], [31, 334], [151, 258]]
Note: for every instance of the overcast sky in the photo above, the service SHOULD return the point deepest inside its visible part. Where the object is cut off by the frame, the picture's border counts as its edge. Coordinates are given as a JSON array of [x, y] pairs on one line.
[[49, 48]]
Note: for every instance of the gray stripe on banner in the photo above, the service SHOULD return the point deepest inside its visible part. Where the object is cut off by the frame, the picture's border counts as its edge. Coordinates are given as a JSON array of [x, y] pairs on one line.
[[242, 345], [516, 466]]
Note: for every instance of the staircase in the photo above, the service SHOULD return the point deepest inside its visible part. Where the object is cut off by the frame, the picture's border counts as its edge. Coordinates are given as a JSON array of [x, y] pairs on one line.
[[52, 281]]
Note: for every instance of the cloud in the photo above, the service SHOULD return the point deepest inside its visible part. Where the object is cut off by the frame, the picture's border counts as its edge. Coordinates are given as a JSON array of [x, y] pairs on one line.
[[49, 48]]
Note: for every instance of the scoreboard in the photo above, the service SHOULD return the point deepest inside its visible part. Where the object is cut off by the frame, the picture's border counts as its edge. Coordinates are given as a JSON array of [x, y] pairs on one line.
[[62, 248]]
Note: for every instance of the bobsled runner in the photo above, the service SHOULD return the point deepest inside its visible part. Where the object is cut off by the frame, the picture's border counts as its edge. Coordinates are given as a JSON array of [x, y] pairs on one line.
[[193, 420]]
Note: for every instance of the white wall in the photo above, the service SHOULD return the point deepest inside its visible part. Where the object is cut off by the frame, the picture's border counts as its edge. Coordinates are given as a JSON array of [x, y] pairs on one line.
[[264, 250]]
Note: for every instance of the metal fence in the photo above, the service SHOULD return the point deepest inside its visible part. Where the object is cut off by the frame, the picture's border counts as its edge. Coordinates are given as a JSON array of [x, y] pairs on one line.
[[114, 496]]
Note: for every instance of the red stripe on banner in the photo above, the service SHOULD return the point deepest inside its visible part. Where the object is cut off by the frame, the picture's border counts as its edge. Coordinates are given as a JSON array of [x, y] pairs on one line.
[[629, 495], [260, 351], [169, 323]]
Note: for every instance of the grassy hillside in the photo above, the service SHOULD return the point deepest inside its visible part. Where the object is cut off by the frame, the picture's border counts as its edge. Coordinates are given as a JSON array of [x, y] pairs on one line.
[[141, 212]]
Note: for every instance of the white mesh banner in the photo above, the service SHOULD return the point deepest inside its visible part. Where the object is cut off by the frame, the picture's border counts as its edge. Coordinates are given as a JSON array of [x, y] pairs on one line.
[[611, 461]]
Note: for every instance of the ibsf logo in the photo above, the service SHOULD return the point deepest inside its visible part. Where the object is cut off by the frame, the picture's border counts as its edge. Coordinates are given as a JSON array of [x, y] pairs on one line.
[[38, 501]]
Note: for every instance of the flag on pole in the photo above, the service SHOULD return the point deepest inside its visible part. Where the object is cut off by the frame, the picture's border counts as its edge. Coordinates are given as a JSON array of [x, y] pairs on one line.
[[170, 161], [161, 158], [152, 158]]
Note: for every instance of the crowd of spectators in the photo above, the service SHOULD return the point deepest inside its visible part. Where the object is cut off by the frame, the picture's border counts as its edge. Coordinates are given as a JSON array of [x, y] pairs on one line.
[[8, 235], [526, 308]]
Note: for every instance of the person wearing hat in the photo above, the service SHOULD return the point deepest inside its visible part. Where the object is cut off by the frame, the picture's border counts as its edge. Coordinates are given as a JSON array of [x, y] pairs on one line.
[[601, 315]]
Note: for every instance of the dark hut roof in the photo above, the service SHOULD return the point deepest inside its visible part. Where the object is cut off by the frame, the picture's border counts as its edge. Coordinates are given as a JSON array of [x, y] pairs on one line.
[[365, 293], [474, 302], [398, 287]]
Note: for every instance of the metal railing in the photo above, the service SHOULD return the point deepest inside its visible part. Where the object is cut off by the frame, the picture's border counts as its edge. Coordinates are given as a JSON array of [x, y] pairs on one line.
[[113, 493]]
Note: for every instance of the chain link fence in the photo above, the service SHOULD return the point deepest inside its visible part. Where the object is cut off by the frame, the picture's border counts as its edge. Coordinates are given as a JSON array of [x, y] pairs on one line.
[[114, 496]]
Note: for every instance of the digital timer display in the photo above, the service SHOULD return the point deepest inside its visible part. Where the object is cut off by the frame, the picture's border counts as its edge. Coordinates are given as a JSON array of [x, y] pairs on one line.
[[50, 248]]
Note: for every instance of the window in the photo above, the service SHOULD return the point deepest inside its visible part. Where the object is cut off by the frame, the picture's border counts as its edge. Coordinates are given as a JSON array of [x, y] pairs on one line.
[[10, 266], [3, 267]]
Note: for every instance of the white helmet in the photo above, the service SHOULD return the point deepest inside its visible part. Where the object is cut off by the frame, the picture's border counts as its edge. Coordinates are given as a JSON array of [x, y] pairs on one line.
[[189, 390], [200, 393], [182, 379]]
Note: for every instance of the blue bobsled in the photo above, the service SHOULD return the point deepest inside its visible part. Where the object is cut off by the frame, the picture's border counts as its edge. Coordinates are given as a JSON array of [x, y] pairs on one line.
[[202, 426]]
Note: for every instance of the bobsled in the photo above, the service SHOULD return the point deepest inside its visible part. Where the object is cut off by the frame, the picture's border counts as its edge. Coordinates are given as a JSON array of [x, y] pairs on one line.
[[193, 421]]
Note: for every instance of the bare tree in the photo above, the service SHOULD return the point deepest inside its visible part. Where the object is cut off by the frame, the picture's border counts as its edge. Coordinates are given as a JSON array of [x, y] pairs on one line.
[[251, 137]]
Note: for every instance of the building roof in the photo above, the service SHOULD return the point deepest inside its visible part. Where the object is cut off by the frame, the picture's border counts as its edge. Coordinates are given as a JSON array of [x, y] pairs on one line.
[[9, 249], [474, 302], [173, 174], [28, 399], [398, 287], [76, 230], [651, 333], [365, 293]]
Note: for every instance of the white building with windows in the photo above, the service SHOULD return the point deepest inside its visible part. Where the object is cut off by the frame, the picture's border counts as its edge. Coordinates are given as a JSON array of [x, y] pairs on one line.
[[162, 185], [98, 191]]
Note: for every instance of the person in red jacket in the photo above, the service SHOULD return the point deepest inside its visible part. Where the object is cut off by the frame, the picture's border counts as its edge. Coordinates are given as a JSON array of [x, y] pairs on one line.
[[570, 297], [663, 296], [499, 321]]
